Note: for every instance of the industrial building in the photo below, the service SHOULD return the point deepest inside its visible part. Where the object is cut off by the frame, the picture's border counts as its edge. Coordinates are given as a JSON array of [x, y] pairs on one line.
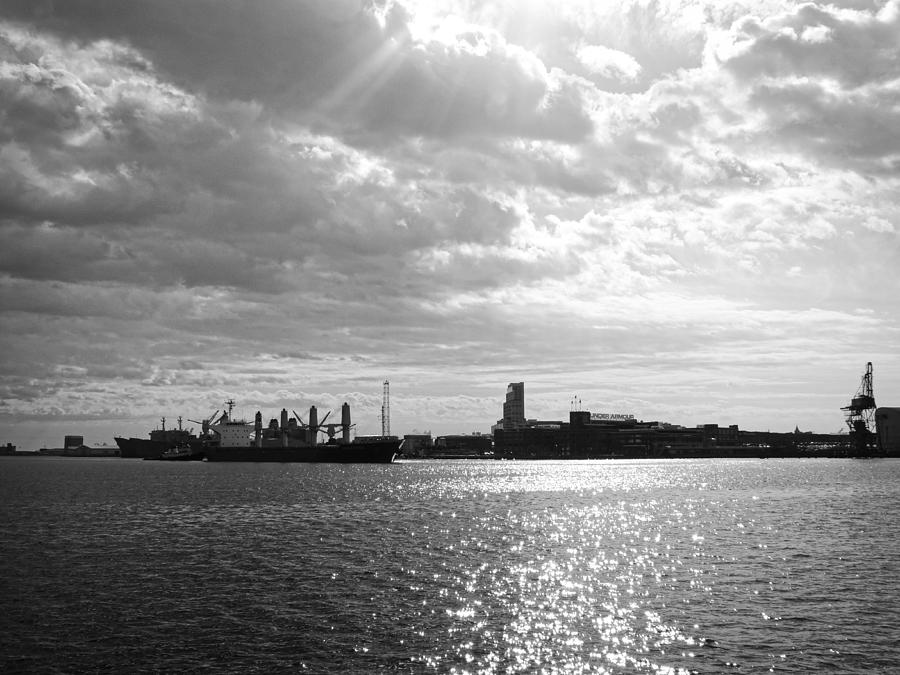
[[887, 424], [451, 446], [73, 446], [463, 445], [417, 445]]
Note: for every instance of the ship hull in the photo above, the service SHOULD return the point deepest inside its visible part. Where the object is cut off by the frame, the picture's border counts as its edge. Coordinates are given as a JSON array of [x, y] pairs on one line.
[[141, 448], [382, 452]]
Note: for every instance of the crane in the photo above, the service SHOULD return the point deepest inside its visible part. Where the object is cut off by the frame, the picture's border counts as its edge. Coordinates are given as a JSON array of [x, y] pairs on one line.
[[205, 424], [313, 426], [861, 415]]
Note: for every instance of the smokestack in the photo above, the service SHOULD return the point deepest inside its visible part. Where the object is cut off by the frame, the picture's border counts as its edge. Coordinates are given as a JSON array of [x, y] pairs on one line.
[[345, 422], [257, 430], [284, 427]]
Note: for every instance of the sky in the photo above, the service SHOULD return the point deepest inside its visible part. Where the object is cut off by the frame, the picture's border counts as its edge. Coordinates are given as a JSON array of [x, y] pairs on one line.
[[687, 211]]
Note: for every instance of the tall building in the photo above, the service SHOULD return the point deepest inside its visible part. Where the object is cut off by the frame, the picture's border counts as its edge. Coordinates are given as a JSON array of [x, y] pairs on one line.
[[514, 407]]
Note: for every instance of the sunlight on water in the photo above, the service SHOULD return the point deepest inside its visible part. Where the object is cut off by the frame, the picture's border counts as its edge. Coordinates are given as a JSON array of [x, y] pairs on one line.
[[570, 587], [461, 567]]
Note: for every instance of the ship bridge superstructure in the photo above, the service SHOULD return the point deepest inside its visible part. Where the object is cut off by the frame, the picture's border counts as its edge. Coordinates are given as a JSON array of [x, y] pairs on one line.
[[229, 431]]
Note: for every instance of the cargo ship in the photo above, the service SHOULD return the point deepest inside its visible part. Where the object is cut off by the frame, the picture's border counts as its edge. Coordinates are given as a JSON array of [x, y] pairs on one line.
[[291, 440], [160, 440]]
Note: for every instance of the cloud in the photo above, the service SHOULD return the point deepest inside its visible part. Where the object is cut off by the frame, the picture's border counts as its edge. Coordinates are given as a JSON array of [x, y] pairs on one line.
[[606, 62], [87, 131], [470, 83], [823, 78], [320, 61], [852, 47], [223, 49], [303, 199]]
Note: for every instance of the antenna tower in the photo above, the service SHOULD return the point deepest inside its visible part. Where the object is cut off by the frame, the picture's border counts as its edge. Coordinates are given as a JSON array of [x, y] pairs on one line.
[[386, 410]]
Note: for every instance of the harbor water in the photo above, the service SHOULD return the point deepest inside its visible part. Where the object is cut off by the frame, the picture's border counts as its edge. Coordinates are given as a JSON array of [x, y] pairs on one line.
[[673, 566]]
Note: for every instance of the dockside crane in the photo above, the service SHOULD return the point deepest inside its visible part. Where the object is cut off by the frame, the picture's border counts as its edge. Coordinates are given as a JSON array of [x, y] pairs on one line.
[[861, 415]]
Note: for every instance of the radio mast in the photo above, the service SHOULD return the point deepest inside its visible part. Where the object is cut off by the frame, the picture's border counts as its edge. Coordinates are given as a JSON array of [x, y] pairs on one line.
[[386, 410]]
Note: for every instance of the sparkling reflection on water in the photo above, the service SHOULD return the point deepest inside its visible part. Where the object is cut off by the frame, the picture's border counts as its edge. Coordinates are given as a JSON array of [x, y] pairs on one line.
[[470, 567]]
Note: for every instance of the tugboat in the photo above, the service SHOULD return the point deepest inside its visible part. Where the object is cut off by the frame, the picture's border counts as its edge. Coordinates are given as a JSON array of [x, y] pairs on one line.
[[180, 453]]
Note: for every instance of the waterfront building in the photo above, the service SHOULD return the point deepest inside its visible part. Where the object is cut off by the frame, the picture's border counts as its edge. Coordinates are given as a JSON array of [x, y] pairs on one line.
[[588, 435], [887, 424], [462, 445], [514, 407], [585, 436], [73, 442], [417, 445]]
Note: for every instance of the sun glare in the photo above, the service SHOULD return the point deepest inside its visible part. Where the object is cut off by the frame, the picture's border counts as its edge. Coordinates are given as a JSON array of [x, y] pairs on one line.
[[444, 21], [427, 24]]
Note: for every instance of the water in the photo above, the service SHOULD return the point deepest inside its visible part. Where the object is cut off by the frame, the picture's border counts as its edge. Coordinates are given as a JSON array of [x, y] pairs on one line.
[[676, 566]]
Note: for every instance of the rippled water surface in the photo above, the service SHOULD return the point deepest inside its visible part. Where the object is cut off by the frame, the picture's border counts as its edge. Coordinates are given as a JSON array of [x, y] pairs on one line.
[[676, 566]]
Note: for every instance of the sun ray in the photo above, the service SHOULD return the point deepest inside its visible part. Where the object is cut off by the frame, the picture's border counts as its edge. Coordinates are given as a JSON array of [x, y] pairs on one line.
[[358, 87]]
